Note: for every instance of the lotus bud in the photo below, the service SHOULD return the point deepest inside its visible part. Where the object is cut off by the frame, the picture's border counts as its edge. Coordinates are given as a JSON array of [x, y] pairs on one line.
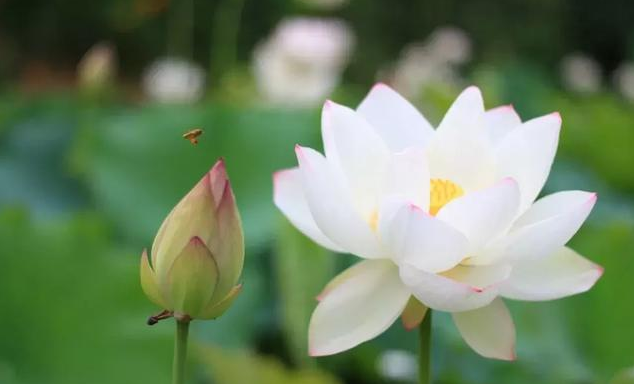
[[198, 253]]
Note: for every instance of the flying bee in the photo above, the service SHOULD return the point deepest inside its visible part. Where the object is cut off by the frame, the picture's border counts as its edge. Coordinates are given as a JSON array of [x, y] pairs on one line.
[[192, 135]]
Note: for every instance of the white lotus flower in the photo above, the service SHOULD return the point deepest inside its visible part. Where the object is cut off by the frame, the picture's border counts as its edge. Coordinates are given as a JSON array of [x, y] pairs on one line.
[[581, 73], [174, 80], [434, 61], [301, 63], [624, 80], [443, 219]]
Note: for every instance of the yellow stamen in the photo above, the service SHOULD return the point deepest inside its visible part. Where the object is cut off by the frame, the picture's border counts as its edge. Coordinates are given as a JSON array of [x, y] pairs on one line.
[[374, 220], [441, 192]]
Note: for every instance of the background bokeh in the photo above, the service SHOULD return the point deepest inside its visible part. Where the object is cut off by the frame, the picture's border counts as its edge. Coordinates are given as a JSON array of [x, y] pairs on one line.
[[94, 97]]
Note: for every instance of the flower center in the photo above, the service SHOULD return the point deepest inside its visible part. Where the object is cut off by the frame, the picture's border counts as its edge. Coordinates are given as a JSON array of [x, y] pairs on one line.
[[441, 192], [374, 220]]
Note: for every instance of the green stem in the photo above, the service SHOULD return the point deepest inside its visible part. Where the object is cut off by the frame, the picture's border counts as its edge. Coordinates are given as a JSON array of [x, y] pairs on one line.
[[424, 353], [224, 39], [180, 351]]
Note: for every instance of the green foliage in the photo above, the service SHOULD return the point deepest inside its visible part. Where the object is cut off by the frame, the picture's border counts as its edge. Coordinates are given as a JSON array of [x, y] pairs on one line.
[[302, 270], [230, 367], [71, 304]]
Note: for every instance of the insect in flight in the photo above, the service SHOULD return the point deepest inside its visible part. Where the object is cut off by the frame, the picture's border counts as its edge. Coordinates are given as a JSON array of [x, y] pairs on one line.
[[192, 135]]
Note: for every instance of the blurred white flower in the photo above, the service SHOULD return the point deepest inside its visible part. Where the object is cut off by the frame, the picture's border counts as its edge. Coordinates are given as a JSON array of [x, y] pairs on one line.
[[398, 365], [431, 62], [97, 68], [449, 45], [624, 80], [301, 62], [174, 80], [581, 73]]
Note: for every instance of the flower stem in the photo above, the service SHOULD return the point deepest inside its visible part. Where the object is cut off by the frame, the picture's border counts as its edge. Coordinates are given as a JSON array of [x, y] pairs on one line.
[[180, 351], [424, 353]]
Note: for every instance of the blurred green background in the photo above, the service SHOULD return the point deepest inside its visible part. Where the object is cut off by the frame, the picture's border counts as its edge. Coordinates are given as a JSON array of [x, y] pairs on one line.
[[91, 161]]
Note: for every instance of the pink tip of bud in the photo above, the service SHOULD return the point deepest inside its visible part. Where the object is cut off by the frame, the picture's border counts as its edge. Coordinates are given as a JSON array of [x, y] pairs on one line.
[[196, 240]]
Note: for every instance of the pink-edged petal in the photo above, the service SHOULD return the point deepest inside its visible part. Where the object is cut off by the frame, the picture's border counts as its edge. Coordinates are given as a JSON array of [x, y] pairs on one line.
[[396, 120], [461, 151], [526, 154], [500, 121], [288, 196], [484, 214], [561, 274], [407, 177], [331, 205], [488, 330], [195, 215], [546, 226], [357, 310], [355, 149], [414, 237], [462, 289]]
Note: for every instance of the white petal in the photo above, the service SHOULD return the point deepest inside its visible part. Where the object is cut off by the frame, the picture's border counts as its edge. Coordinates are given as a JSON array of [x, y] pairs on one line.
[[395, 119], [332, 207], [407, 177], [547, 225], [289, 197], [462, 289], [357, 310], [413, 236], [484, 214], [461, 150], [361, 268], [562, 274], [467, 109], [352, 144], [526, 154], [488, 330], [500, 121]]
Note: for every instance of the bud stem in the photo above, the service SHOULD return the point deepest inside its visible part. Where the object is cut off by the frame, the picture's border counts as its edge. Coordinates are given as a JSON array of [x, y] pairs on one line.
[[180, 351], [424, 353]]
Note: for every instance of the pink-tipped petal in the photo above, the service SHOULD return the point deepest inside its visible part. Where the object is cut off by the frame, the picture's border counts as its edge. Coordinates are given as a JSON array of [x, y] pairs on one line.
[[461, 150], [527, 153], [463, 288], [465, 110], [559, 275], [500, 121], [357, 152], [227, 243], [333, 208], [413, 236], [357, 310], [488, 330], [359, 269], [289, 197], [546, 226], [396, 120], [483, 215]]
